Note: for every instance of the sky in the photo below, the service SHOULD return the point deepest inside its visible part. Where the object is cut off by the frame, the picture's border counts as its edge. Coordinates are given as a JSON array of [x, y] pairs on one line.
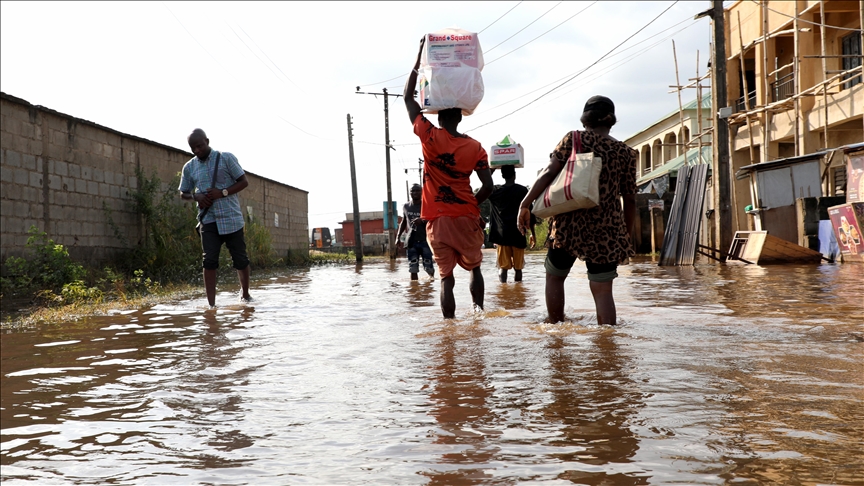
[[273, 82]]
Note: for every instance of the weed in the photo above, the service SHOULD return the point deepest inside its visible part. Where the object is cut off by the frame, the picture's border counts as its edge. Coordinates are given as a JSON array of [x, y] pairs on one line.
[[47, 265], [169, 248]]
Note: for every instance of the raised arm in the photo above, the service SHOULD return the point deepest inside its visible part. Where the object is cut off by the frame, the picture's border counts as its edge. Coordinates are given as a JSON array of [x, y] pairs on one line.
[[408, 93]]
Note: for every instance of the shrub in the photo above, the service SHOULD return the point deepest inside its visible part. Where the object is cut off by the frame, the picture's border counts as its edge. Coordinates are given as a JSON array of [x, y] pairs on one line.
[[46, 266], [169, 248], [541, 230], [259, 245], [77, 292]]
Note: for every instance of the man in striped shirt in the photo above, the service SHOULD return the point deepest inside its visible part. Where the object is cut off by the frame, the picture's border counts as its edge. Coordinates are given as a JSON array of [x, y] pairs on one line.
[[219, 213]]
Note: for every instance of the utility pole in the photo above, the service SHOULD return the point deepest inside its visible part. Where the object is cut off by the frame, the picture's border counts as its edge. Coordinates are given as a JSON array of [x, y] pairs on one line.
[[419, 170], [721, 167], [358, 238], [391, 231]]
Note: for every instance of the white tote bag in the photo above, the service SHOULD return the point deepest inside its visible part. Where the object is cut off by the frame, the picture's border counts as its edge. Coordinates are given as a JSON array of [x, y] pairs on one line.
[[577, 186]]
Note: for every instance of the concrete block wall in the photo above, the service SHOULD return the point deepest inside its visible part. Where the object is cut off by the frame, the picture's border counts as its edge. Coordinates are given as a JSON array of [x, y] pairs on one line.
[[58, 173], [282, 209]]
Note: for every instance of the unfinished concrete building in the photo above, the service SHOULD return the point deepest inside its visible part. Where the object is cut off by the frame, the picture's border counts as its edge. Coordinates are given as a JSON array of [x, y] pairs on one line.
[[795, 85]]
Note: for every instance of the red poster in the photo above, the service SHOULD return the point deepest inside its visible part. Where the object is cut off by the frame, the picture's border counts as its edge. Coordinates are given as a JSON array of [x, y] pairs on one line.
[[846, 229]]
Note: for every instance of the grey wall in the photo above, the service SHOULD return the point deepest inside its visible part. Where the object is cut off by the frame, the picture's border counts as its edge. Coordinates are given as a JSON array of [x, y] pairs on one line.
[[56, 171]]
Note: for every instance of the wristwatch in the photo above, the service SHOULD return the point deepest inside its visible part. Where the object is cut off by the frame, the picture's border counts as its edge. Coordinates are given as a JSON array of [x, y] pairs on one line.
[[224, 192]]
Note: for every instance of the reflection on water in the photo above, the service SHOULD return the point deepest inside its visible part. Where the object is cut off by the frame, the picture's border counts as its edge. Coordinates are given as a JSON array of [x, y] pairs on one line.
[[594, 402], [346, 375]]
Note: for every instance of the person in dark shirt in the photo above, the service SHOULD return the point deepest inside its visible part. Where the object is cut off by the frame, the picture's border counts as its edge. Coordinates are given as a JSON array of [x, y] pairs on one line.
[[503, 230], [415, 243]]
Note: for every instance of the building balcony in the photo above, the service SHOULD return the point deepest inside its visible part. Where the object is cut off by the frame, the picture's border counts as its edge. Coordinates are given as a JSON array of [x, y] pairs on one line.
[[783, 88], [843, 106]]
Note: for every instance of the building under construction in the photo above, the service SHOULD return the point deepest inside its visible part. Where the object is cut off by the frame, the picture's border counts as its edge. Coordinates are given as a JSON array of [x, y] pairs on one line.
[[789, 128], [794, 83]]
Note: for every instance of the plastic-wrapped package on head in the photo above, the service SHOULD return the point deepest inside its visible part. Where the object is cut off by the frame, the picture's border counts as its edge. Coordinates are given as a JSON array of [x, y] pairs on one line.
[[450, 66]]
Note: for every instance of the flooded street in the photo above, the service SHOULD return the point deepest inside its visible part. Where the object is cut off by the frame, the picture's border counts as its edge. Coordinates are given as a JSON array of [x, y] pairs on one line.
[[349, 375]]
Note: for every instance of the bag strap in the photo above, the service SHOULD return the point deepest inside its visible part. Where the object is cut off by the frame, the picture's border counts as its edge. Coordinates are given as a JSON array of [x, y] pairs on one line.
[[215, 170], [204, 211], [577, 142]]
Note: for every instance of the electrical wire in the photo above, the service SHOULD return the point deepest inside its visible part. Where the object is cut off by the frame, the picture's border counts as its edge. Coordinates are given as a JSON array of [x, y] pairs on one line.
[[807, 21], [387, 80], [541, 35], [199, 44], [621, 63], [622, 51], [582, 71], [523, 28], [499, 18], [229, 71], [271, 60], [255, 54], [409, 72]]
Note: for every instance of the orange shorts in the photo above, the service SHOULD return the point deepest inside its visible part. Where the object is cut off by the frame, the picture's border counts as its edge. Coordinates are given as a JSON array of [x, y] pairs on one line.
[[455, 240], [511, 257]]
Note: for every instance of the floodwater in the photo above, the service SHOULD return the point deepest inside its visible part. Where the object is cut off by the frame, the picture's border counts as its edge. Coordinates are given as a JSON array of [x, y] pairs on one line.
[[344, 375]]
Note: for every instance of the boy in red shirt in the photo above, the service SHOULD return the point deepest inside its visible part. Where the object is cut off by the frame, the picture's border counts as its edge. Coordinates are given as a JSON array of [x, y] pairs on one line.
[[452, 210]]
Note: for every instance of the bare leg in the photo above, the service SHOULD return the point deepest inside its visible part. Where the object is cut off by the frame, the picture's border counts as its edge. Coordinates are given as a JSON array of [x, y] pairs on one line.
[[243, 277], [555, 298], [477, 286], [210, 286], [517, 277], [502, 275], [604, 302], [448, 302]]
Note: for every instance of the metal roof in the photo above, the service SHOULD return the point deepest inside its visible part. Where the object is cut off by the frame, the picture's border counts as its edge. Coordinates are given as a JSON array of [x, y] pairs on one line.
[[673, 165], [776, 164]]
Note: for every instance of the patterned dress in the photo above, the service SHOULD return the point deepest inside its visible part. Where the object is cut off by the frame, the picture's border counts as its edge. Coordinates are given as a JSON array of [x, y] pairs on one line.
[[599, 234]]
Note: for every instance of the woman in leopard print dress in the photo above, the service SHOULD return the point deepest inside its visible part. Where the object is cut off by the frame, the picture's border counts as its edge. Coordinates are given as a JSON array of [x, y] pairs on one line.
[[600, 235]]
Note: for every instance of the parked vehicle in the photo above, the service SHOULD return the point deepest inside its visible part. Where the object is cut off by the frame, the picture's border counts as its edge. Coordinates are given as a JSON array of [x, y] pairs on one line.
[[321, 238]]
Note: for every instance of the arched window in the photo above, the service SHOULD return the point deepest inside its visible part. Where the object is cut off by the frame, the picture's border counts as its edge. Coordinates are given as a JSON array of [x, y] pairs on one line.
[[657, 153], [646, 159], [670, 150]]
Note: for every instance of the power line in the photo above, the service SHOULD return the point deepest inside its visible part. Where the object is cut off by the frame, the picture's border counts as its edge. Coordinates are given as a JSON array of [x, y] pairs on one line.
[[624, 61], [580, 72], [499, 18], [387, 80], [254, 53], [544, 33], [687, 19], [523, 28], [229, 71], [199, 44], [271, 60], [298, 128], [409, 72]]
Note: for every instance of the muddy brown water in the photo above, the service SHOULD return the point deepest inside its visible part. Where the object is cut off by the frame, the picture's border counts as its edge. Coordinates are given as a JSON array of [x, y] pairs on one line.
[[348, 375]]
